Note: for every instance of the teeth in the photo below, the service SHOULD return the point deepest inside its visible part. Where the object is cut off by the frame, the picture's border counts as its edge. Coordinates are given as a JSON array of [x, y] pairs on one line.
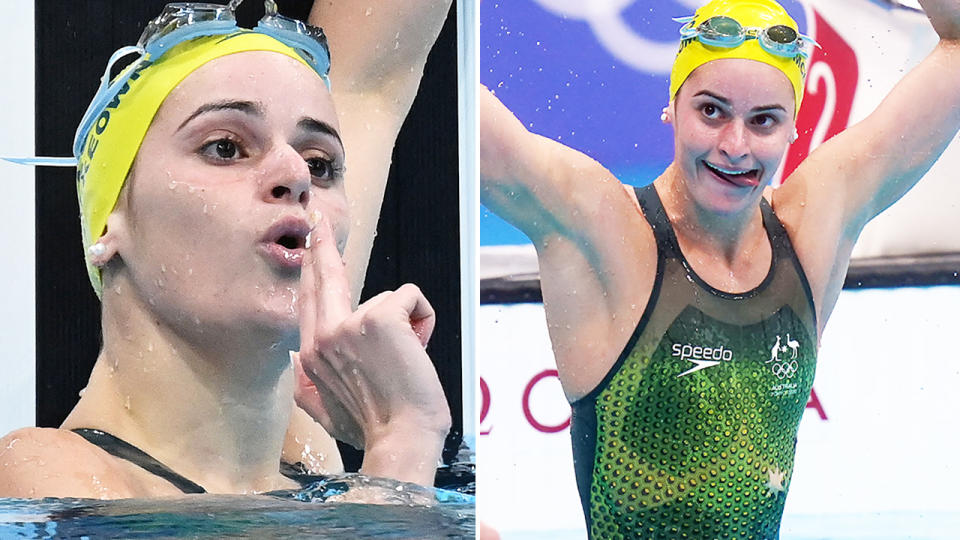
[[726, 171]]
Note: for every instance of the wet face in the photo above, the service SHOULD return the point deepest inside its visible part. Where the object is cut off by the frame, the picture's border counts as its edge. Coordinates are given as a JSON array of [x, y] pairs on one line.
[[733, 119], [219, 200]]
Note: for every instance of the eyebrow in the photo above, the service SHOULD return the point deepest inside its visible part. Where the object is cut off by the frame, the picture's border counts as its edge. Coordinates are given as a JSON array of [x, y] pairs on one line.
[[247, 107], [725, 101], [313, 125]]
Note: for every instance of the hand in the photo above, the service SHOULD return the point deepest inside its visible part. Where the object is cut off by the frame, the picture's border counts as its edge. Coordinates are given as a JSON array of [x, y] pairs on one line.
[[365, 375], [944, 15]]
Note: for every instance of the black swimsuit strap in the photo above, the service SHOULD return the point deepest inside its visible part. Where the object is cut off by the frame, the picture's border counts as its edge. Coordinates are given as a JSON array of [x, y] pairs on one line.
[[656, 216], [124, 450]]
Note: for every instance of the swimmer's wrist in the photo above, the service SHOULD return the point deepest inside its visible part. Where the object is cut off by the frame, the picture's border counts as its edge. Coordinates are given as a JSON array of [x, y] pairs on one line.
[[405, 452]]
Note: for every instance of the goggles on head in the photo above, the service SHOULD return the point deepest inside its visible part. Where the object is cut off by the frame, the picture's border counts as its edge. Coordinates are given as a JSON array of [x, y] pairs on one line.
[[722, 31], [180, 22]]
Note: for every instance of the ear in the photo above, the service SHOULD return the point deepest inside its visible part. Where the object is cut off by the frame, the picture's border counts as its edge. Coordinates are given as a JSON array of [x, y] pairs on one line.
[[667, 115], [110, 244]]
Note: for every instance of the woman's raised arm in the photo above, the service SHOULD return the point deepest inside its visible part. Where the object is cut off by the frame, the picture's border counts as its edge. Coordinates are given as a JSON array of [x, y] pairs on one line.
[[868, 167], [378, 51], [535, 183]]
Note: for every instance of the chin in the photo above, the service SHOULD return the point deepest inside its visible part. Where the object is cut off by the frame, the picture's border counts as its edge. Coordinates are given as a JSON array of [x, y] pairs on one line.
[[280, 312]]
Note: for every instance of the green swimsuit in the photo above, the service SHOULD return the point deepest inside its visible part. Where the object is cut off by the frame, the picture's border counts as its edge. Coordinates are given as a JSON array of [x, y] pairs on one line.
[[692, 432]]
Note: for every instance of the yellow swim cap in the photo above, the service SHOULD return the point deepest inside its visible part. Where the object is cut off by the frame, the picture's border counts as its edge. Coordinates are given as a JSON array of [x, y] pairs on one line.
[[115, 137], [750, 14]]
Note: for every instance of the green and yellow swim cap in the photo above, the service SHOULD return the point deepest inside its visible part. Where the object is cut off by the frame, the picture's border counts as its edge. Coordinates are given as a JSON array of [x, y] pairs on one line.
[[115, 137], [750, 14]]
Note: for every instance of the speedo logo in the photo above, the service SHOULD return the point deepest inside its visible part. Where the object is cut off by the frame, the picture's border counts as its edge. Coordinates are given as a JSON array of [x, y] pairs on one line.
[[702, 357]]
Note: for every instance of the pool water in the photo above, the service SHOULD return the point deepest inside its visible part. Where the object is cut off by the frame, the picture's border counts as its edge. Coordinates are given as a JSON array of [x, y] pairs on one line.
[[401, 511]]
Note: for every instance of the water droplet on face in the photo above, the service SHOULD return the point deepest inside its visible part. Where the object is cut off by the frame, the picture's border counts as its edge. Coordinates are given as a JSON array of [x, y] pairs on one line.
[[368, 11], [126, 403]]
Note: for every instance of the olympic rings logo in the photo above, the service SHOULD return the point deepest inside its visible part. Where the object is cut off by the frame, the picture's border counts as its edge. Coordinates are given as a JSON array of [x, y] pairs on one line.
[[785, 370], [613, 33]]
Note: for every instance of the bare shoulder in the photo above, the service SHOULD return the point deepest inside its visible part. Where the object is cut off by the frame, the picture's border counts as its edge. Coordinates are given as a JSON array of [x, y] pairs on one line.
[[812, 213], [49, 462]]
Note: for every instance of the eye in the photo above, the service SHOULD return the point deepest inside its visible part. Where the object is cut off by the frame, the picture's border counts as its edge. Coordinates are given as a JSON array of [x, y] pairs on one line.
[[711, 111], [764, 121], [324, 170], [223, 149]]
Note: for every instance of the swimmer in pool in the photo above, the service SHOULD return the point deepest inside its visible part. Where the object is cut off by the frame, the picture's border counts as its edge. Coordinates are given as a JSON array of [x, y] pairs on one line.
[[664, 303], [213, 196]]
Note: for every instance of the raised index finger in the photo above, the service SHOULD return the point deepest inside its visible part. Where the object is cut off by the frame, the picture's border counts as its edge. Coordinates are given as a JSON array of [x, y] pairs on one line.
[[324, 286]]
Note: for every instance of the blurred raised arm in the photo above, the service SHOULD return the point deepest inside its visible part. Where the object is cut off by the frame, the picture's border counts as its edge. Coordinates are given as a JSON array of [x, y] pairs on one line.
[[378, 51]]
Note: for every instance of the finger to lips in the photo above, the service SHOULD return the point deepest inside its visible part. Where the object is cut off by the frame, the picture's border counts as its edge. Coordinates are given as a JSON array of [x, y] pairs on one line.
[[331, 287]]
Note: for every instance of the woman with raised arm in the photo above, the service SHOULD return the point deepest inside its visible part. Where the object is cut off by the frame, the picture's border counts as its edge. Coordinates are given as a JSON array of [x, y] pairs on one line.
[[214, 214], [685, 316]]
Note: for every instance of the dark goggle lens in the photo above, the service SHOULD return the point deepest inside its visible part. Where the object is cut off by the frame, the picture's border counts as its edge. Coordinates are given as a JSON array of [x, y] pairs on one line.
[[781, 34]]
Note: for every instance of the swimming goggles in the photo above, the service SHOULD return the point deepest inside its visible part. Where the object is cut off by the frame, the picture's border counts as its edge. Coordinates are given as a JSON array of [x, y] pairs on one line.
[[180, 22], [722, 31]]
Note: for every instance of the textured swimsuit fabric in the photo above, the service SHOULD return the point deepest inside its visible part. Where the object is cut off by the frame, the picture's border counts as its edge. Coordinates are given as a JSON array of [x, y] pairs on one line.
[[692, 433]]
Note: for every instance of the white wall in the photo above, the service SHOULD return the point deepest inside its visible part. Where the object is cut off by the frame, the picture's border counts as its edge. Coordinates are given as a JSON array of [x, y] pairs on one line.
[[17, 376]]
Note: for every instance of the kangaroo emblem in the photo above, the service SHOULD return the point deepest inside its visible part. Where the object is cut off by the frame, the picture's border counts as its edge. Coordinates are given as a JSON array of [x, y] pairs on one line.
[[775, 352]]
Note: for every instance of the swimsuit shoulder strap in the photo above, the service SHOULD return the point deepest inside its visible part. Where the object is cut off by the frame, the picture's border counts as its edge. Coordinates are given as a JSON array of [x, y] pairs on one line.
[[656, 216], [124, 450], [780, 240]]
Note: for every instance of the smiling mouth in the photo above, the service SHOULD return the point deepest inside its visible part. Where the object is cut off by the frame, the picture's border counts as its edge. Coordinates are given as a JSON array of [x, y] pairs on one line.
[[739, 178]]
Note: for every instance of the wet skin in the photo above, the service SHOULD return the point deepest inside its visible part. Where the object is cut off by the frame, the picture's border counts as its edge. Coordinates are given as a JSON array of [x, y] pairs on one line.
[[232, 164], [732, 122]]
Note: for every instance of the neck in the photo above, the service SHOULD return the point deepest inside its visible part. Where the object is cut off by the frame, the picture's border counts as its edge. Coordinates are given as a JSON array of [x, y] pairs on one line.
[[213, 405], [727, 235]]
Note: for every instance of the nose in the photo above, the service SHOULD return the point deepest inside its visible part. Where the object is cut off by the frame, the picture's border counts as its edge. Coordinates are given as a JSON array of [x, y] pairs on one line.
[[286, 177], [733, 142]]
